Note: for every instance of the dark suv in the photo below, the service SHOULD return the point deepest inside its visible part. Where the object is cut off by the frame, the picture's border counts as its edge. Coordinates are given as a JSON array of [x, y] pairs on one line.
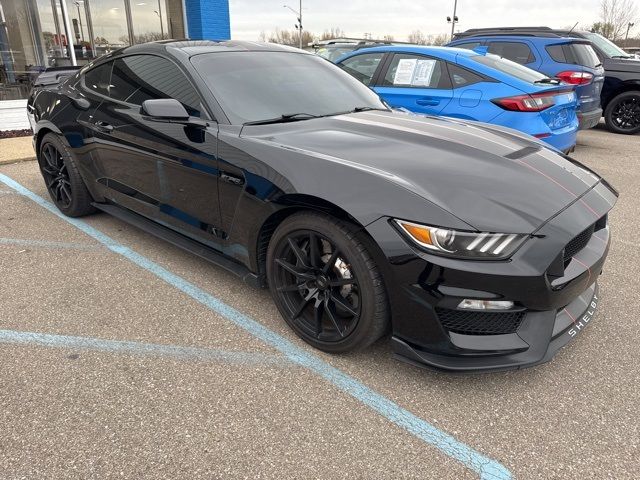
[[620, 97]]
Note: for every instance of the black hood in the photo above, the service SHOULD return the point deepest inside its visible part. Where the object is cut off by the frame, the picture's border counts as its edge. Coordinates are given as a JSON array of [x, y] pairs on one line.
[[627, 65], [493, 179]]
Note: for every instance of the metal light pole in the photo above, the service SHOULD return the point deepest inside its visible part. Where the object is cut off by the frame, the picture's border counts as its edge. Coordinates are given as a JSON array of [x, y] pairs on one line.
[[299, 18], [159, 12], [454, 19]]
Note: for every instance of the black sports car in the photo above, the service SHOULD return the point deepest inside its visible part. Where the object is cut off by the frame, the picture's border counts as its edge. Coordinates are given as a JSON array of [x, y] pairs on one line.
[[476, 246]]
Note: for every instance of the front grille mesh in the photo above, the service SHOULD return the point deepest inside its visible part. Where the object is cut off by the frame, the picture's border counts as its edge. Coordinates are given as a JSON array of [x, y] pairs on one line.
[[479, 323], [578, 243]]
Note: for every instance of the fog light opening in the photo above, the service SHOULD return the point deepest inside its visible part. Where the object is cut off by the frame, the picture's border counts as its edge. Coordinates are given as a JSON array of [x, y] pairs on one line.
[[473, 304]]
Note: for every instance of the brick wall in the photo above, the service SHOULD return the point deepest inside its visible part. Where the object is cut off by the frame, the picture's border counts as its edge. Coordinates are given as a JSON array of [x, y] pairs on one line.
[[208, 19]]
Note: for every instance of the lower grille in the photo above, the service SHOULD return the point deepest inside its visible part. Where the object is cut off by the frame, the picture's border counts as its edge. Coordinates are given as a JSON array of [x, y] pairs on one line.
[[479, 323]]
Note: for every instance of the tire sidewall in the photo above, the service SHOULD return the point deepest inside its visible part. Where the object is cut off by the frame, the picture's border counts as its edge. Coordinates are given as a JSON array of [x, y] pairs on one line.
[[77, 205], [323, 226], [609, 112]]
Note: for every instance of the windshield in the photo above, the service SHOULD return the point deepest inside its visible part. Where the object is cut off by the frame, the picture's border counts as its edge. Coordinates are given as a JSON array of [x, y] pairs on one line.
[[334, 53], [607, 46], [510, 68], [256, 86]]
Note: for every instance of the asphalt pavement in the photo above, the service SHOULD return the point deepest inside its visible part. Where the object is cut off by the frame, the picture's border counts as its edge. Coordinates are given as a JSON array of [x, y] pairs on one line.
[[122, 356]]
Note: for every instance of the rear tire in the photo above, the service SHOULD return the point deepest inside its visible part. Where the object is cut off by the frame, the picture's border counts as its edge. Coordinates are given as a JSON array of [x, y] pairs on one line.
[[325, 283], [61, 176], [622, 114]]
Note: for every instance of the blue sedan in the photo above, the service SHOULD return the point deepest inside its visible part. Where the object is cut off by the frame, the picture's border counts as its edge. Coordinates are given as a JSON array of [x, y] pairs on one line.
[[471, 85]]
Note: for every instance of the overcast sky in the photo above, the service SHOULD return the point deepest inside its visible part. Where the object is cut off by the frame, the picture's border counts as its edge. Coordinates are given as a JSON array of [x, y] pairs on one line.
[[400, 17]]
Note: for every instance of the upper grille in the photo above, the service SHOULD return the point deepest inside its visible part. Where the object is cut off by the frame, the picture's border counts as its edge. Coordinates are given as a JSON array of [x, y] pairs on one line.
[[480, 323], [578, 243]]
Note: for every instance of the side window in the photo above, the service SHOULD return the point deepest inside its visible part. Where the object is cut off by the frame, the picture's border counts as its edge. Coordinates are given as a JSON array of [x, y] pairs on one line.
[[143, 77], [416, 71], [461, 77], [515, 51], [467, 45], [557, 53], [363, 66], [97, 79]]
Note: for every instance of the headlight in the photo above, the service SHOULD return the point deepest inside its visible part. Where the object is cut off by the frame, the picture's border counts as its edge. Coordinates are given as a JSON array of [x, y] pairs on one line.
[[462, 244]]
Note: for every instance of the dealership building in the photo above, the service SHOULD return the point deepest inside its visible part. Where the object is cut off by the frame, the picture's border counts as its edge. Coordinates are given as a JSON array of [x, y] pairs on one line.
[[36, 34]]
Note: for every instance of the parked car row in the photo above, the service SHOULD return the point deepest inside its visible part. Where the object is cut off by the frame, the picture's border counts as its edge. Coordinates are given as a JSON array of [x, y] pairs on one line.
[[547, 83]]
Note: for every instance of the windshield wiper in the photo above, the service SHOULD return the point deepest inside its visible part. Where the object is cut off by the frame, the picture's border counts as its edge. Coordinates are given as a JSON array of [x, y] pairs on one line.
[[621, 56], [285, 117], [368, 109], [553, 81]]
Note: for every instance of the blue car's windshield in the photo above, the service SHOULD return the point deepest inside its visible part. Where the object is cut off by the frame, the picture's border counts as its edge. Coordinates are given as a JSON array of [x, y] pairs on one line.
[[256, 86], [510, 68]]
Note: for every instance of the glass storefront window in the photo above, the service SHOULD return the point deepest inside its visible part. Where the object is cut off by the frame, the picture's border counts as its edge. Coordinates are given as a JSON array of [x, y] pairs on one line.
[[149, 20], [33, 35]]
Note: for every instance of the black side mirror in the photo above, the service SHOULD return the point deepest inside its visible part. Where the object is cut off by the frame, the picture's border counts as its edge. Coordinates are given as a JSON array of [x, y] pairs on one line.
[[169, 110]]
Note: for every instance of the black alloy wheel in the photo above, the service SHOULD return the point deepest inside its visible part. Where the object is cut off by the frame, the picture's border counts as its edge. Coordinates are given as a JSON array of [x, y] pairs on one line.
[[622, 115], [325, 284], [56, 177], [61, 176]]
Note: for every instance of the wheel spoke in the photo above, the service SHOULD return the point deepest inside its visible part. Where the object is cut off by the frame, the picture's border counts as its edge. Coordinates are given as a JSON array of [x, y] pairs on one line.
[[318, 314], [332, 317], [331, 262], [340, 282], [66, 191], [338, 300], [56, 192], [314, 254], [300, 255], [304, 303], [52, 182], [293, 270]]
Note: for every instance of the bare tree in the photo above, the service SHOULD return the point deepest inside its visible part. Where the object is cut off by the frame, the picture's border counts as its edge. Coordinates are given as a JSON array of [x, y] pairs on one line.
[[288, 37], [615, 16], [334, 32], [417, 37], [388, 38]]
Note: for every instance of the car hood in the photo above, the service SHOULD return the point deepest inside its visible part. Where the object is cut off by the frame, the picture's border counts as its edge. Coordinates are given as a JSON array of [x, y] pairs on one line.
[[493, 179], [630, 65]]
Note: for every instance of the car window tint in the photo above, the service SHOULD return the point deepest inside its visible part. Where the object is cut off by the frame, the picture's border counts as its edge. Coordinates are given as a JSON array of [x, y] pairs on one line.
[[363, 66], [574, 53], [515, 51], [461, 77], [415, 71], [467, 45], [144, 77], [97, 79], [510, 68]]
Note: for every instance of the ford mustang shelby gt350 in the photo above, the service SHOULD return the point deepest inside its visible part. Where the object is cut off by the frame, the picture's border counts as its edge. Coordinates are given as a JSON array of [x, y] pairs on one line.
[[476, 246]]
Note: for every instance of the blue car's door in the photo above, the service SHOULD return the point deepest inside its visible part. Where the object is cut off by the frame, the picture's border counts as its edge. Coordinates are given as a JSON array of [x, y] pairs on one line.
[[416, 82]]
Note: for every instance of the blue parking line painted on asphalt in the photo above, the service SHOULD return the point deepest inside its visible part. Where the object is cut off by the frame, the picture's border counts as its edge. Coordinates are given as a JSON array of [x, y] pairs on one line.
[[141, 348], [25, 242], [447, 444]]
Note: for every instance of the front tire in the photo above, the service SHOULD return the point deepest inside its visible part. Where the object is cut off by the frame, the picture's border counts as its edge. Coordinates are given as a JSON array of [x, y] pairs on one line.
[[61, 176], [622, 114], [326, 284]]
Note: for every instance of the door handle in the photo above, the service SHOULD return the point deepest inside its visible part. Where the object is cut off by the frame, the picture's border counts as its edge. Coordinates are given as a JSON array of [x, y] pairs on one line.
[[103, 127], [428, 101]]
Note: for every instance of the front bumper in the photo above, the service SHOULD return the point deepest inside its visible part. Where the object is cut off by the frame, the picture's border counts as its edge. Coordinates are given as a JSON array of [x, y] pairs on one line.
[[555, 293], [589, 119], [537, 340]]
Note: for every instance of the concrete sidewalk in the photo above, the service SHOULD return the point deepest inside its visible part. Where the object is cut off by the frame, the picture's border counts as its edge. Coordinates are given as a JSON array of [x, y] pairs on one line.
[[17, 149]]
